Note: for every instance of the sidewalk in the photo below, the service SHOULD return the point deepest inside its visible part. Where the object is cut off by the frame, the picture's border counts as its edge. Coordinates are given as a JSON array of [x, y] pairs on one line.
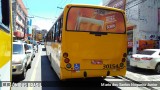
[[138, 74]]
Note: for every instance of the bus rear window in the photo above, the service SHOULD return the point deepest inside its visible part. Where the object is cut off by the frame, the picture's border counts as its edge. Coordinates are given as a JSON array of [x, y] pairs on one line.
[[95, 20]]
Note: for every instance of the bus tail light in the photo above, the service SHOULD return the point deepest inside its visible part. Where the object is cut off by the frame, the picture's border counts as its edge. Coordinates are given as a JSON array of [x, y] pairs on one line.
[[65, 55], [68, 65], [123, 59], [66, 60], [125, 55]]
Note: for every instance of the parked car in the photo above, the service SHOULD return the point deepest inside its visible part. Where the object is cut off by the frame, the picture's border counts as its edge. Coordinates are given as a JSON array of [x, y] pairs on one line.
[[36, 48], [129, 57], [42, 43], [20, 59], [147, 59], [31, 51]]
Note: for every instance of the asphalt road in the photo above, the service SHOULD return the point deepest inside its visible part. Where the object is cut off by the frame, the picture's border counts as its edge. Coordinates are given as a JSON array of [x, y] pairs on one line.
[[41, 73]]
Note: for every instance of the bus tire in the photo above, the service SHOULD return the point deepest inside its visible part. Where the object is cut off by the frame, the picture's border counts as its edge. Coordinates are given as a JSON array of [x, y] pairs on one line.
[[133, 67], [50, 57], [51, 67]]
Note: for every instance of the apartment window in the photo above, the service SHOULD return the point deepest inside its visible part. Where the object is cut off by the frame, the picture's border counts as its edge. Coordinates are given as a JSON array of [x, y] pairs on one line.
[[18, 27], [18, 8], [19, 18]]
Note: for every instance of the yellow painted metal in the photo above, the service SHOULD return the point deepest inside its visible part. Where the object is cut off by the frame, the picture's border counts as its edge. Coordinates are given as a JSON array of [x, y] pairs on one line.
[[83, 47]]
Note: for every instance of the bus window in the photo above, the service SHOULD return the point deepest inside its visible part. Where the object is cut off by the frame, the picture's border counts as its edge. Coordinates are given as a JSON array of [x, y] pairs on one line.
[[95, 20], [4, 14], [58, 31], [0, 13], [53, 28]]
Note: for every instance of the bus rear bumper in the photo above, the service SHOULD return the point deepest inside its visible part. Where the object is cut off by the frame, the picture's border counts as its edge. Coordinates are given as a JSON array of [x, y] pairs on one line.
[[66, 74]]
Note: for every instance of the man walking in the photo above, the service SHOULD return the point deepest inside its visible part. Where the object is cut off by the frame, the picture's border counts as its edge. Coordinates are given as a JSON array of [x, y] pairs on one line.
[[37, 48]]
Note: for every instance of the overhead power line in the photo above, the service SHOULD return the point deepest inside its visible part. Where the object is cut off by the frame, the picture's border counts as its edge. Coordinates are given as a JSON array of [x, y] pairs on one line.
[[41, 17], [64, 3]]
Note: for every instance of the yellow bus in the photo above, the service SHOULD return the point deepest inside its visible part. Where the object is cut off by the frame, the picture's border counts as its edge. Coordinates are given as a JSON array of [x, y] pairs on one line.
[[5, 42], [88, 41]]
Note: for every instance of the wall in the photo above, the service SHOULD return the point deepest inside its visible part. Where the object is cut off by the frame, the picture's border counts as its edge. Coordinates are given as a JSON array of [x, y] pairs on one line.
[[147, 22], [148, 19], [144, 15]]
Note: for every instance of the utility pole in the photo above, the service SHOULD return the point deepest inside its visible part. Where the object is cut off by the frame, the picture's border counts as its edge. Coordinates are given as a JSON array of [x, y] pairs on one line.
[[33, 36]]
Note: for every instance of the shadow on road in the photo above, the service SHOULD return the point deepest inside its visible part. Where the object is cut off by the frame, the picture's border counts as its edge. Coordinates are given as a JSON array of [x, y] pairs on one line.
[[141, 71], [18, 78], [50, 80], [47, 72], [43, 49]]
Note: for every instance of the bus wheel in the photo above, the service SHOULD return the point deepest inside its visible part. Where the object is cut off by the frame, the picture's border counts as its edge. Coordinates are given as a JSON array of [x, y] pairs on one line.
[[50, 56], [157, 69], [51, 67]]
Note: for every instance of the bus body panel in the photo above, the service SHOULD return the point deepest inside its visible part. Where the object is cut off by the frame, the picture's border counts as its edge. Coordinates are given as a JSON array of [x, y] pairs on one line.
[[53, 56], [5, 57], [94, 55], [89, 47], [85, 48], [6, 36], [65, 74], [5, 42]]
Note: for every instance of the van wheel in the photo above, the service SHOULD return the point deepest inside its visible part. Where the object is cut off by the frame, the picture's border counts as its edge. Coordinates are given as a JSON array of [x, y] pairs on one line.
[[133, 67], [23, 75], [157, 69], [29, 66]]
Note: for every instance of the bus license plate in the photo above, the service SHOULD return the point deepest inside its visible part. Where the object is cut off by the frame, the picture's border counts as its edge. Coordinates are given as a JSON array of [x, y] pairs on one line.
[[96, 62]]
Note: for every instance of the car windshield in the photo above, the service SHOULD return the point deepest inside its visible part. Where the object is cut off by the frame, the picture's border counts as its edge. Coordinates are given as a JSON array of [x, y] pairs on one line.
[[146, 52], [17, 49]]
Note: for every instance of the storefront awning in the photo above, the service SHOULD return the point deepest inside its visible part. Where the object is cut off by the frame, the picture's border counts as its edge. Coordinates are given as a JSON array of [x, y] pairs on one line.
[[130, 26], [14, 36]]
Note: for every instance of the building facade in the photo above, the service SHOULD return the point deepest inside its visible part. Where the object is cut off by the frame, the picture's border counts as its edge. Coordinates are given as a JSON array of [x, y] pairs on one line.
[[19, 19], [29, 29], [143, 29]]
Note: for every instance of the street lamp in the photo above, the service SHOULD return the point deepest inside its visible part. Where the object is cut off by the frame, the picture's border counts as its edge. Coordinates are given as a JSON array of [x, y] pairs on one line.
[[59, 7]]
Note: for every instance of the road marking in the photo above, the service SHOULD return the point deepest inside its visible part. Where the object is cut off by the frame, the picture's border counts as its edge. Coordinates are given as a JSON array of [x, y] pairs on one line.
[[34, 70]]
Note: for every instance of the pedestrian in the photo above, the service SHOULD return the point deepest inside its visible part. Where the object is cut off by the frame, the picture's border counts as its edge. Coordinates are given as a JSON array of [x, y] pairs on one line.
[[37, 48]]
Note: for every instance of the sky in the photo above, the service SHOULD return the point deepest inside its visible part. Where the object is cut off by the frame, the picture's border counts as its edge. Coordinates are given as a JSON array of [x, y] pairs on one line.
[[44, 12]]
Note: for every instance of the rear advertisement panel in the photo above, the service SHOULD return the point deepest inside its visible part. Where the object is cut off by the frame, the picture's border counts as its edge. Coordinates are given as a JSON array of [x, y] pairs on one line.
[[95, 20]]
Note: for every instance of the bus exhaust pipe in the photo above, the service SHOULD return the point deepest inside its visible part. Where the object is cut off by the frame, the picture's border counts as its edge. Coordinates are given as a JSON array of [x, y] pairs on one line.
[[108, 73]]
